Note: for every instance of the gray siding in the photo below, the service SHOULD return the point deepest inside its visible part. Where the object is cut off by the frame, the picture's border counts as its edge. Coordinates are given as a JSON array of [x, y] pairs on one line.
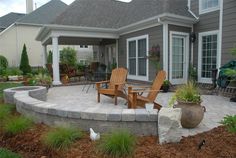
[[229, 30], [207, 22], [195, 6], [155, 37]]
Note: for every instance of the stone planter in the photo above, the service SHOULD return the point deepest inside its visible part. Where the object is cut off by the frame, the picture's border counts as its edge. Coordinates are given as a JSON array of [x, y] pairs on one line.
[[165, 88], [192, 114]]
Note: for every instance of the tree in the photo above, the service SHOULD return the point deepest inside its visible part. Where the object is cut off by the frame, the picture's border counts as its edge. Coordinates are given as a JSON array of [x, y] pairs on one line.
[[49, 59], [68, 56], [24, 62]]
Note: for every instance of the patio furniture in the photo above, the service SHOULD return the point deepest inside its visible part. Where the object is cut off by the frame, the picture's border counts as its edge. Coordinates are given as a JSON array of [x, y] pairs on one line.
[[115, 85], [135, 97]]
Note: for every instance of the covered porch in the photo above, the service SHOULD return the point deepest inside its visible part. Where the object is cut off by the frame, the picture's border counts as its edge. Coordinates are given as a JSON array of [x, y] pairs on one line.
[[104, 42]]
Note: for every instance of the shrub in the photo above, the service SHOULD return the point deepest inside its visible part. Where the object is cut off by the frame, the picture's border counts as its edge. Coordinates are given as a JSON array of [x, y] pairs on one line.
[[118, 144], [230, 123], [61, 138], [3, 62], [13, 71], [24, 62], [15, 125], [4, 153], [187, 93], [49, 58], [6, 110], [68, 56]]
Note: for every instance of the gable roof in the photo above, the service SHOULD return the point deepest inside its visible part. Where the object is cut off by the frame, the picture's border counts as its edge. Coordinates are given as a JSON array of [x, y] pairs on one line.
[[9, 19], [115, 14], [45, 14]]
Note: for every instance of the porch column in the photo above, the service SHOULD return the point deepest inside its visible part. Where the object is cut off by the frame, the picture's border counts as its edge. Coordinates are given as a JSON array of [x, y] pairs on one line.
[[117, 55], [44, 55], [56, 73]]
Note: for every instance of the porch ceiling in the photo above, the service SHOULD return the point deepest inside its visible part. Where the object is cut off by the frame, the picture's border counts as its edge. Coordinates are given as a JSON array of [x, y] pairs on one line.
[[80, 41]]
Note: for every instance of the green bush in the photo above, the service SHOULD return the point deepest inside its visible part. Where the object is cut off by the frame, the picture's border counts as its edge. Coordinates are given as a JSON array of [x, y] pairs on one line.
[[15, 125], [6, 110], [68, 56], [49, 58], [4, 153], [230, 123], [13, 71], [3, 62], [118, 144], [187, 93], [24, 62], [61, 138]]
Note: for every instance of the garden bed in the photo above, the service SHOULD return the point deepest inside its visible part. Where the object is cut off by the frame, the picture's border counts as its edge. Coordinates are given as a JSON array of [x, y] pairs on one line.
[[219, 143]]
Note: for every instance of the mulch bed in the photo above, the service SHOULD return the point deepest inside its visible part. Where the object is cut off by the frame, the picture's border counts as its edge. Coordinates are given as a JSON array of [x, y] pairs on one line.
[[219, 143]]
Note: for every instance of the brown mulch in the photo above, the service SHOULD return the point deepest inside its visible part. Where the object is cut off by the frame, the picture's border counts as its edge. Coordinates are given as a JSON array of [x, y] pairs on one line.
[[219, 143]]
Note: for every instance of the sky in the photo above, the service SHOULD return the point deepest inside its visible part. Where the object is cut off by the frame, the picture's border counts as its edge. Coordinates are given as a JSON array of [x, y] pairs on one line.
[[7, 6]]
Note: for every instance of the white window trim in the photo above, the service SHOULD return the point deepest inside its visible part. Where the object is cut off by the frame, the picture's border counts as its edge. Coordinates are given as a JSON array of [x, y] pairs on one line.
[[203, 11], [215, 32], [186, 60], [136, 77]]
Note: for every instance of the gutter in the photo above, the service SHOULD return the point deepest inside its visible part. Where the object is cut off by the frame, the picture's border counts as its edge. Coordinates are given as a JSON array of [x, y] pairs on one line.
[[190, 11]]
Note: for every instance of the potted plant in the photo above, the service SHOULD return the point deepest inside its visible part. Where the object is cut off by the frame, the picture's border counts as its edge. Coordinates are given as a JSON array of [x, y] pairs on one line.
[[166, 86], [189, 100]]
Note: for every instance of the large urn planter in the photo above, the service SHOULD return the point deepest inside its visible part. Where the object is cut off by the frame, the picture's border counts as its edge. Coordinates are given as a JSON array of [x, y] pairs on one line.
[[192, 114]]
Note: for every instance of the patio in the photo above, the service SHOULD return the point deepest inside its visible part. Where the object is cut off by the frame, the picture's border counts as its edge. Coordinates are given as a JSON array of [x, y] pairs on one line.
[[73, 98]]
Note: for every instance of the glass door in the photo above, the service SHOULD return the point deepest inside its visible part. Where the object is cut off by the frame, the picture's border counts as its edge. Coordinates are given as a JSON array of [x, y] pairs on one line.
[[178, 58]]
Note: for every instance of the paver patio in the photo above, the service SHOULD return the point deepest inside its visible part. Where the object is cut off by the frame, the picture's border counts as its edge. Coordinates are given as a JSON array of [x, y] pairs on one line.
[[72, 97]]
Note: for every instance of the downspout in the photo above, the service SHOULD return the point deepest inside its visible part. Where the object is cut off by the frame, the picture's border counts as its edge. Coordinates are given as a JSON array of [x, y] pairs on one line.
[[220, 32], [165, 46], [190, 11]]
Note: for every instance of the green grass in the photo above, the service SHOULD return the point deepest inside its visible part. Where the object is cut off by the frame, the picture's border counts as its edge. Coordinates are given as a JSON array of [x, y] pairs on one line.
[[119, 143], [61, 138], [7, 85], [6, 110], [15, 125], [4, 153]]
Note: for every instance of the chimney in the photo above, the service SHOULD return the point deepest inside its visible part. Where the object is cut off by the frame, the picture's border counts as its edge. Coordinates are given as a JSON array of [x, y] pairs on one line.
[[29, 6]]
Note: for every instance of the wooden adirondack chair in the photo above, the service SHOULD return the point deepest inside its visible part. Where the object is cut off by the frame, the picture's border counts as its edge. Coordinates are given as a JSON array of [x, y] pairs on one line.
[[115, 85], [134, 99]]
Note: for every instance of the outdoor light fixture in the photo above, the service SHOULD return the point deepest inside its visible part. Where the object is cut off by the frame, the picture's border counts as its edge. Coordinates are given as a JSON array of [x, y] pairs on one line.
[[192, 37]]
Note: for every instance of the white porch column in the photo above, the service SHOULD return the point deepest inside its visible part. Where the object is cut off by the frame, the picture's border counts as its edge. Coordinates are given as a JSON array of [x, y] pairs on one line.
[[44, 55], [56, 73], [117, 55]]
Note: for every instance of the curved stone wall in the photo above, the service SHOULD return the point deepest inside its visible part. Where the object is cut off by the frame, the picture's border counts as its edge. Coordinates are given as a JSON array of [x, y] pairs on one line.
[[138, 121]]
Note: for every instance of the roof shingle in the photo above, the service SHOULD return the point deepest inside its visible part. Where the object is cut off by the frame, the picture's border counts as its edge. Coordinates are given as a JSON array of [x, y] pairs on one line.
[[9, 19], [115, 14]]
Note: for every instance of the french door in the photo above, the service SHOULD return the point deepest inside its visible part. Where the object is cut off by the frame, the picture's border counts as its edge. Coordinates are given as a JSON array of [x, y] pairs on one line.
[[179, 53], [137, 62]]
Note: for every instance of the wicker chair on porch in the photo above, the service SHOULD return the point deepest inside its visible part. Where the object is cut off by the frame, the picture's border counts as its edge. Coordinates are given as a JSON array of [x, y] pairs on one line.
[[135, 100], [115, 85]]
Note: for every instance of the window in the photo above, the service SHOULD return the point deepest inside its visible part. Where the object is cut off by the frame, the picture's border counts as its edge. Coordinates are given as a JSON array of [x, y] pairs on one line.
[[137, 51], [206, 6], [83, 61], [83, 46], [208, 55]]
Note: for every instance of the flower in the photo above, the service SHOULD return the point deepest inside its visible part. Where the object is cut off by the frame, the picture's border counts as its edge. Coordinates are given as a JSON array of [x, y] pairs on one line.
[[154, 53]]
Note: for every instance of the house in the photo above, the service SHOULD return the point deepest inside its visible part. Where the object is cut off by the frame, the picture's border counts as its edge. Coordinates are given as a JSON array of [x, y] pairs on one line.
[[9, 19], [24, 30], [197, 32]]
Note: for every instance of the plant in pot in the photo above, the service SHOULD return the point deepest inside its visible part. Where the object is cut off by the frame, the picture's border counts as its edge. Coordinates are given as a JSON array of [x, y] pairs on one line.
[[189, 100], [166, 86]]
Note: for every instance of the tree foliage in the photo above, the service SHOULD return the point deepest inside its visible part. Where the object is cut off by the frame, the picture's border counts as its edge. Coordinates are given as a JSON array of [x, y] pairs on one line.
[[24, 62], [68, 56], [49, 58]]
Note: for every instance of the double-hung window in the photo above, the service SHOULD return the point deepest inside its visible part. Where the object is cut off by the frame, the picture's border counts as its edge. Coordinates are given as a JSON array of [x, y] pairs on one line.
[[208, 55], [206, 6], [137, 52]]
